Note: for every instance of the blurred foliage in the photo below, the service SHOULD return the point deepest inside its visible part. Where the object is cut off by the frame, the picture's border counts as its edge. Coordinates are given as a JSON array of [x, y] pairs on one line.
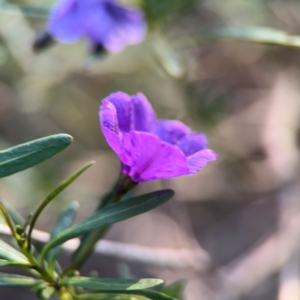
[[189, 73], [174, 290], [160, 11]]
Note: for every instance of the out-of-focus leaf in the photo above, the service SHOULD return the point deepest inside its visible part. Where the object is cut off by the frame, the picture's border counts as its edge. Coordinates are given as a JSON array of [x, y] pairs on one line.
[[15, 216], [154, 295], [11, 254], [159, 11], [105, 296], [166, 57], [112, 284], [11, 280], [26, 155], [64, 221], [259, 35], [28, 10], [112, 213], [4, 263], [46, 293], [3, 55], [134, 295], [174, 290]]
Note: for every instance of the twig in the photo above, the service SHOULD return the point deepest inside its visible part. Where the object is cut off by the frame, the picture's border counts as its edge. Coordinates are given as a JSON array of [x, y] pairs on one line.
[[164, 257]]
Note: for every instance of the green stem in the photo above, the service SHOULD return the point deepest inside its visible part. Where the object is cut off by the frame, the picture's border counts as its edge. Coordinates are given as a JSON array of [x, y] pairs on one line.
[[49, 198], [44, 274], [88, 241], [9, 222]]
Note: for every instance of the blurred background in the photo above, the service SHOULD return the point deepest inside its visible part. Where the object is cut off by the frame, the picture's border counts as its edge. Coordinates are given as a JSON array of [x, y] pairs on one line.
[[232, 231]]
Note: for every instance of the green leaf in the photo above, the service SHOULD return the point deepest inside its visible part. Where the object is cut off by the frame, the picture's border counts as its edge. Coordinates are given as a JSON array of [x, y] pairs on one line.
[[4, 263], [26, 155], [166, 56], [112, 213], [106, 296], [15, 216], [50, 197], [46, 293], [160, 11], [11, 280], [153, 295], [64, 221], [11, 254], [174, 290], [260, 35], [112, 284], [89, 239], [126, 295]]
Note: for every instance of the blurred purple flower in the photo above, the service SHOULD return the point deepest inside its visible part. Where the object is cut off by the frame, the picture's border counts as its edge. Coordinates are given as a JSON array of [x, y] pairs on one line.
[[149, 148], [104, 23]]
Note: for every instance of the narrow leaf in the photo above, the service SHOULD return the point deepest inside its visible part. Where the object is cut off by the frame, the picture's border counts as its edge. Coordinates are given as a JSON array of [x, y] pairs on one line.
[[174, 290], [89, 239], [46, 293], [112, 284], [11, 254], [26, 155], [153, 295], [64, 221], [11, 280], [260, 35], [112, 213], [167, 57], [4, 263], [106, 296], [50, 197], [15, 216], [127, 295]]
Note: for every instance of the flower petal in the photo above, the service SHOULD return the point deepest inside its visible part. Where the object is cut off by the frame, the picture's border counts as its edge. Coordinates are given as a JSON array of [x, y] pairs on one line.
[[146, 157], [171, 131], [133, 112], [124, 111], [100, 22], [198, 160], [127, 27], [144, 115], [67, 20], [109, 125], [192, 143]]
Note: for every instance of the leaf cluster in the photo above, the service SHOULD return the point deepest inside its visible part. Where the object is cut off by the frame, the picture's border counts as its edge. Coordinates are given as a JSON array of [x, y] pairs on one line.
[[47, 278]]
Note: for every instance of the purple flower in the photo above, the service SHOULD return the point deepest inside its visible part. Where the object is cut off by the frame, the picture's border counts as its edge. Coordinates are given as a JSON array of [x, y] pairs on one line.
[[103, 22], [149, 148]]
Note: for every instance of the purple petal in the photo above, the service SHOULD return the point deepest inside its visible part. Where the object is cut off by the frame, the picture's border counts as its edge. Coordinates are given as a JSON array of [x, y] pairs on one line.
[[146, 157], [144, 115], [171, 131], [192, 143], [123, 107], [67, 20], [109, 125], [133, 112], [100, 22], [198, 160], [126, 27]]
